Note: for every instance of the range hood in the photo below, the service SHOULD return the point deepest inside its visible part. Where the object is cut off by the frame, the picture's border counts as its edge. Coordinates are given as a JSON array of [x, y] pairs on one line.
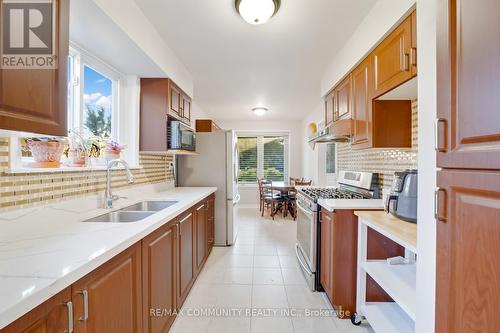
[[339, 131]]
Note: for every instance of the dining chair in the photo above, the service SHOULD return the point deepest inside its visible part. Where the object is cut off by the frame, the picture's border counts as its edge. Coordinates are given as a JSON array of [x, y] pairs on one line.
[[293, 180], [262, 182], [291, 203], [271, 199], [303, 182]]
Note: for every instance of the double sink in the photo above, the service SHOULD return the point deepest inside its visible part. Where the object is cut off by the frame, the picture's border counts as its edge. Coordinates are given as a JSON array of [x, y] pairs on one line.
[[133, 213]]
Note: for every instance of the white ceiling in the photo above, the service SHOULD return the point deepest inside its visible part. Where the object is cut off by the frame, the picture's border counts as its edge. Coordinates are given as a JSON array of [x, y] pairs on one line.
[[237, 66], [93, 30]]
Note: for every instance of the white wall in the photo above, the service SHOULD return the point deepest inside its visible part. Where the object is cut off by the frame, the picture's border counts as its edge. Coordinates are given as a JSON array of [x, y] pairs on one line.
[[426, 264], [128, 16], [249, 194], [311, 168], [384, 15]]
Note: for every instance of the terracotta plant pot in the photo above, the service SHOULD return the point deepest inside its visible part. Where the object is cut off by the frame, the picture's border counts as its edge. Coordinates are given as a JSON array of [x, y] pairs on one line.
[[77, 158], [47, 154], [111, 154]]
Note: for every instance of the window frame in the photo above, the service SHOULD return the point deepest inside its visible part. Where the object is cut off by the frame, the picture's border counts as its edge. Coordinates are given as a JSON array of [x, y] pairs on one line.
[[82, 58], [126, 107], [260, 152]]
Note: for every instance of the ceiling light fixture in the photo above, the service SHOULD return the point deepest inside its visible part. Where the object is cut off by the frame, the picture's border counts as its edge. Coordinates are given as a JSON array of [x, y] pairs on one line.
[[257, 11], [260, 111]]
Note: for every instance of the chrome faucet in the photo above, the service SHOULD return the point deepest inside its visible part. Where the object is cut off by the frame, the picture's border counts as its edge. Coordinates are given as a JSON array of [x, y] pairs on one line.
[[109, 194]]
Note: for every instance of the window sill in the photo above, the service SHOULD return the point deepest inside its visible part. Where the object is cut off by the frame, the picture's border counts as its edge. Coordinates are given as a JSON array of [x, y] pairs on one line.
[[249, 185], [66, 169]]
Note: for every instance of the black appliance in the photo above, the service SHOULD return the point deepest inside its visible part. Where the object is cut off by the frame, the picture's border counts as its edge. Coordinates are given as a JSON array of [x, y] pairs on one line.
[[180, 136], [402, 202]]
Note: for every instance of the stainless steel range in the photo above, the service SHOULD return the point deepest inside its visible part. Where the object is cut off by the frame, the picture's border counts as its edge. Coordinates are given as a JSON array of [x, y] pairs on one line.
[[352, 185]]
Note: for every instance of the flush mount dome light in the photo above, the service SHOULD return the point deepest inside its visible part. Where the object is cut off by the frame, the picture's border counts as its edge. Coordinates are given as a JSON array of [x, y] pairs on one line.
[[257, 11], [260, 111]]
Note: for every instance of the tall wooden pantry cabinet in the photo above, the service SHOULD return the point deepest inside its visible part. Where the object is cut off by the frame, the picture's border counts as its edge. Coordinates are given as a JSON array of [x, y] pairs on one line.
[[468, 151]]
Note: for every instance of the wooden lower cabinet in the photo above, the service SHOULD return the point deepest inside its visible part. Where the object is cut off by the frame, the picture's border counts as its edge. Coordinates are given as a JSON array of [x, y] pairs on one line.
[[158, 273], [326, 222], [201, 234], [49, 317], [139, 290], [186, 259], [338, 260], [468, 243], [210, 223], [114, 296]]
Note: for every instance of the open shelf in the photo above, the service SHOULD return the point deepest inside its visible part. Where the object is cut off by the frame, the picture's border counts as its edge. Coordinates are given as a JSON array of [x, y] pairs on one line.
[[388, 318], [399, 281]]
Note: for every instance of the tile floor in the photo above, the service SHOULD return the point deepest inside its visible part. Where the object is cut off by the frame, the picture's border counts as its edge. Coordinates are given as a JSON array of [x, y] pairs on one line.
[[258, 275]]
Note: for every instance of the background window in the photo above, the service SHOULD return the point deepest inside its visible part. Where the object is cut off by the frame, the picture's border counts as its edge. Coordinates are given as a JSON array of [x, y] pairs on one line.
[[247, 147], [331, 166], [263, 157], [274, 158], [97, 102]]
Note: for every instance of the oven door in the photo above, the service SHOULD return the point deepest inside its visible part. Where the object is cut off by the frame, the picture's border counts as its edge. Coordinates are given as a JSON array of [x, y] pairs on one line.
[[306, 243]]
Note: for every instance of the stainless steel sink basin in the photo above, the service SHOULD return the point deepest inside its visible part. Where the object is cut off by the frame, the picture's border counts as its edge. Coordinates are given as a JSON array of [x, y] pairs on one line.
[[149, 206], [121, 217]]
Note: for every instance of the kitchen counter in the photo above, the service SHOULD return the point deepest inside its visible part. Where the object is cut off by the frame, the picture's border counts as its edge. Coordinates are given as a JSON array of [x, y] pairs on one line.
[[333, 204], [400, 231], [45, 249]]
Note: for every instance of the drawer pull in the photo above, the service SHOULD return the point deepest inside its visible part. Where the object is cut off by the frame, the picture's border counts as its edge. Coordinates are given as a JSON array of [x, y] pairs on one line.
[[69, 306], [85, 295]]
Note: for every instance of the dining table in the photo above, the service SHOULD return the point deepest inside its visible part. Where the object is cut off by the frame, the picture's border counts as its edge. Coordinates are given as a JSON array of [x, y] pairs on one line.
[[284, 187]]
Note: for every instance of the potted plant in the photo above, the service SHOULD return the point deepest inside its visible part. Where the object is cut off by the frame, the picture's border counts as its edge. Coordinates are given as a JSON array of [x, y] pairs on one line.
[[78, 150], [113, 150], [46, 152]]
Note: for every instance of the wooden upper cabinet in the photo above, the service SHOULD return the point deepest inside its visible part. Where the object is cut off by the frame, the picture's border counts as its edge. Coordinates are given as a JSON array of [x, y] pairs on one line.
[[413, 51], [160, 99], [186, 247], [158, 269], [391, 59], [50, 317], [206, 125], [468, 124], [343, 99], [468, 242], [114, 296], [361, 105], [175, 100], [329, 102], [186, 109], [35, 100]]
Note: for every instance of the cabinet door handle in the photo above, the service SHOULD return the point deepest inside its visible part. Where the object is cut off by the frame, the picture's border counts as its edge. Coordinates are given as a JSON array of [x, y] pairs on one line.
[[438, 217], [85, 295], [405, 63], [438, 148], [187, 217], [69, 306], [413, 56]]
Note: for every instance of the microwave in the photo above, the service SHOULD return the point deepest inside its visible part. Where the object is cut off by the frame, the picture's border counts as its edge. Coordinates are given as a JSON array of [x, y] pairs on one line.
[[180, 136]]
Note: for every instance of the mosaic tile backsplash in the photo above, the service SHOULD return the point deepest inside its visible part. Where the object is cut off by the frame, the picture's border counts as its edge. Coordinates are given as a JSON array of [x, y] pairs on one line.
[[383, 161], [30, 189]]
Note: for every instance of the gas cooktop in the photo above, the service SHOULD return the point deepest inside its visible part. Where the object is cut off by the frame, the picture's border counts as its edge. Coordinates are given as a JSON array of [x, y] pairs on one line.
[[315, 193]]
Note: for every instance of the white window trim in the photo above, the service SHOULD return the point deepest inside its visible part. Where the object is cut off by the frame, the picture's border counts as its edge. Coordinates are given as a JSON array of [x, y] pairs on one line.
[[260, 157], [125, 112], [83, 58]]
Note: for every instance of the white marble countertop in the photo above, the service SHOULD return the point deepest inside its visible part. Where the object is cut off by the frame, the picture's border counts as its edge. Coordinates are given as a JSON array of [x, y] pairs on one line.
[[47, 248], [334, 204]]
